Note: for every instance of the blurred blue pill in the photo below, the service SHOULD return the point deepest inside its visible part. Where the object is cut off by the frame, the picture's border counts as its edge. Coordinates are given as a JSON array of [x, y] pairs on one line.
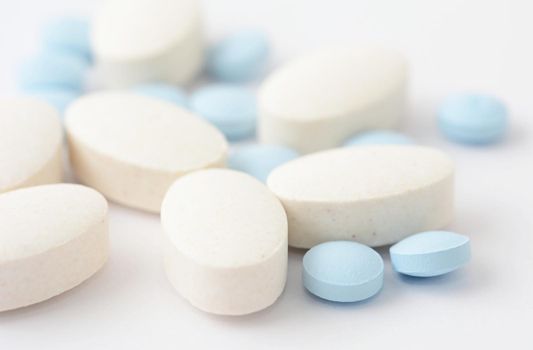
[[473, 119], [166, 92], [230, 108], [379, 137], [259, 160], [60, 98], [239, 57], [70, 35]]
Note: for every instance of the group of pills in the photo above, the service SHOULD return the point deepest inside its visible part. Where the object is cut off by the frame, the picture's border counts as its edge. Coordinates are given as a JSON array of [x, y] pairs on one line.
[[329, 173]]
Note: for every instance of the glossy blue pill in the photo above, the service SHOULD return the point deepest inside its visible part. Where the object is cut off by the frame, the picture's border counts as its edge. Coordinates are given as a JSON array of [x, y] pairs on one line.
[[240, 57], [431, 253], [231, 109], [259, 160], [166, 92], [60, 98], [473, 119], [379, 137], [69, 35], [343, 271]]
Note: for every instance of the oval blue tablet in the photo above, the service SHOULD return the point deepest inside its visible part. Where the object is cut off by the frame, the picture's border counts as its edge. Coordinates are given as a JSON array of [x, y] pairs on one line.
[[259, 160], [240, 57], [68, 35], [342, 271], [231, 109], [431, 253], [166, 92], [379, 137], [60, 98], [473, 119]]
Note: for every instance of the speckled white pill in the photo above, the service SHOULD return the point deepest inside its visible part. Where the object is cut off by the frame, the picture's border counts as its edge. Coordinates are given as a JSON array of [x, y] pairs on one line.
[[375, 195], [131, 147], [226, 234], [30, 144], [52, 238], [319, 100]]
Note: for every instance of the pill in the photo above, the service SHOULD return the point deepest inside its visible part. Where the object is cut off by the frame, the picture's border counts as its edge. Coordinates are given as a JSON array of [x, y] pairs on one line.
[[58, 97], [376, 194], [342, 271], [30, 143], [231, 109], [166, 92], [226, 242], [138, 41], [259, 160], [379, 137], [52, 238], [319, 100], [52, 69], [70, 35], [431, 253], [131, 147], [473, 119], [239, 57]]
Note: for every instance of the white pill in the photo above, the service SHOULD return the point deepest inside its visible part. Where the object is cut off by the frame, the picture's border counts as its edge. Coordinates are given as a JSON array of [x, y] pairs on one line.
[[319, 100], [226, 234], [137, 41], [30, 144], [132, 147], [52, 238], [375, 195]]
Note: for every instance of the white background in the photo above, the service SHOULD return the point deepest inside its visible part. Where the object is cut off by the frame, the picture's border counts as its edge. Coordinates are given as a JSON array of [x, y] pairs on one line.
[[453, 45]]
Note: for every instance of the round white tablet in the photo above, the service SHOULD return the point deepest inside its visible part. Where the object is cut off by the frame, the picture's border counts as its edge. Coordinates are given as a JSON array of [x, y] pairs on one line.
[[132, 147], [136, 41], [226, 250], [52, 238], [30, 144]]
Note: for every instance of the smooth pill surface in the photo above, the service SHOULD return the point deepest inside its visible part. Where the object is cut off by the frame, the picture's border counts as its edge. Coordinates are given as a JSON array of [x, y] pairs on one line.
[[431, 253], [139, 41], [52, 238], [342, 271], [259, 160], [226, 250], [58, 97], [70, 35], [131, 147], [30, 144], [379, 137], [165, 92], [375, 195], [230, 108], [239, 57], [473, 119], [317, 101]]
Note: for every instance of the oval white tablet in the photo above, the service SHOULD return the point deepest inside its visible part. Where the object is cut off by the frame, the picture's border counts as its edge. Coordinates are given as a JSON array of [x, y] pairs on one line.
[[319, 100], [375, 195], [226, 250], [30, 144], [52, 238], [136, 41], [132, 147]]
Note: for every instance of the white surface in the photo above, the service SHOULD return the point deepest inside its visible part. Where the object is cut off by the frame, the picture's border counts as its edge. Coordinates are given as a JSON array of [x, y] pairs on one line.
[[452, 45]]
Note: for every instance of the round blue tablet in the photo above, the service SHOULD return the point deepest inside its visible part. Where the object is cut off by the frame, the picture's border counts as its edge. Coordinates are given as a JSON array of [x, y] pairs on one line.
[[230, 108], [239, 57], [166, 92], [431, 253], [60, 98], [384, 137], [343, 271], [473, 119], [259, 160], [69, 35]]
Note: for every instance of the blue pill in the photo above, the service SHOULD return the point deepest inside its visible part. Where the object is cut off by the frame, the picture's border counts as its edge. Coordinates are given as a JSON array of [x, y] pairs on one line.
[[431, 253], [70, 35], [53, 69], [260, 159], [166, 92], [343, 271], [384, 137], [240, 57], [60, 98], [473, 119], [230, 108]]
